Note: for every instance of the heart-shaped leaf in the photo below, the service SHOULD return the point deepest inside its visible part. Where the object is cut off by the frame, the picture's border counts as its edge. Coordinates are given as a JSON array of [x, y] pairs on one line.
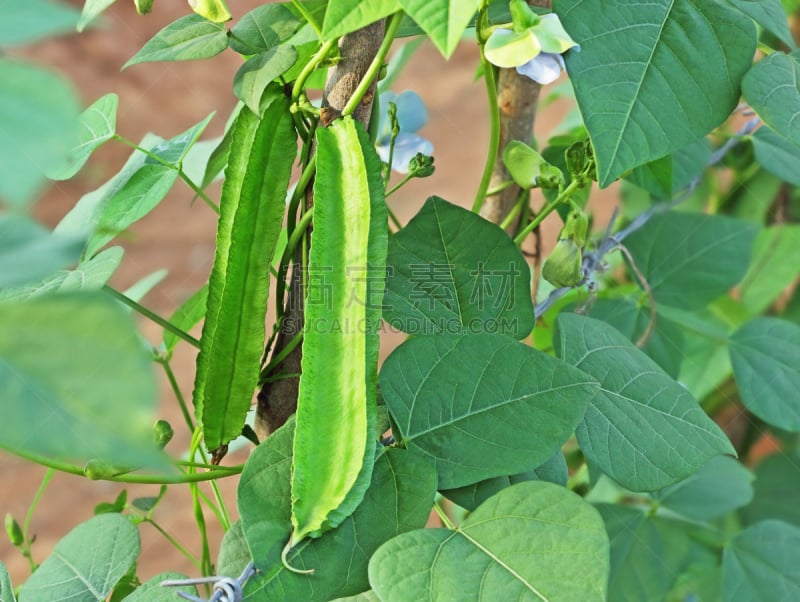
[[531, 541]]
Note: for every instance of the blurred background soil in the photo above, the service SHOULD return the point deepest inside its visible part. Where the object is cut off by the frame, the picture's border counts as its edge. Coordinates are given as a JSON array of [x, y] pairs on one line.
[[166, 99]]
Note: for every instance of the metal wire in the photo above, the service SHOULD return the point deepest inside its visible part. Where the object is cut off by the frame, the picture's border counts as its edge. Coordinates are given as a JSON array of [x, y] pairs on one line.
[[226, 589]]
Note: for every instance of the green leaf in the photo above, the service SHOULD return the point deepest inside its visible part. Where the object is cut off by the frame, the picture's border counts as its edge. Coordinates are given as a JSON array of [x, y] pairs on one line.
[[676, 65], [98, 124], [481, 405], [771, 88], [554, 470], [90, 275], [368, 596], [777, 489], [335, 440], [76, 382], [689, 259], [6, 589], [87, 563], [721, 486], [773, 268], [190, 37], [770, 15], [665, 342], [443, 20], [764, 356], [531, 541], [643, 429], [777, 155], [263, 28], [760, 564], [39, 113], [251, 80], [450, 270], [152, 590], [345, 16], [186, 316], [234, 555], [175, 149], [670, 174], [399, 499], [91, 10], [219, 156], [251, 211], [647, 553], [28, 252], [33, 20]]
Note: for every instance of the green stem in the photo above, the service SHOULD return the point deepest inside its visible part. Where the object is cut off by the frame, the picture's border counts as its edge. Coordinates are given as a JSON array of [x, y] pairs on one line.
[[173, 383], [299, 192], [547, 210], [393, 218], [165, 324], [197, 190], [397, 186], [199, 518], [26, 524], [174, 543], [309, 68], [279, 357], [308, 17], [494, 132], [500, 188], [377, 64], [443, 516], [523, 197]]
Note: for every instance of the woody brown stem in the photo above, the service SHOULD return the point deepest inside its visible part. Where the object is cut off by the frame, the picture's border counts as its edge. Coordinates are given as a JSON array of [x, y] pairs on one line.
[[277, 400]]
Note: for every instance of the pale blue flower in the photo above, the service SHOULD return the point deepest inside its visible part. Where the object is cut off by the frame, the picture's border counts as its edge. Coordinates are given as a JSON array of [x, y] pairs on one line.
[[411, 116]]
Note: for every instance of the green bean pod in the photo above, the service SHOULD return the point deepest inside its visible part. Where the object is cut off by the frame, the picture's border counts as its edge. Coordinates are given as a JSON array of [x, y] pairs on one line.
[[250, 221], [334, 445]]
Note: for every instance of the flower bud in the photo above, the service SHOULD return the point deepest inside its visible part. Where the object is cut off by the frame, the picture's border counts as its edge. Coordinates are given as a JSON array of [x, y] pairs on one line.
[[162, 431], [213, 10], [143, 6], [14, 531], [421, 166]]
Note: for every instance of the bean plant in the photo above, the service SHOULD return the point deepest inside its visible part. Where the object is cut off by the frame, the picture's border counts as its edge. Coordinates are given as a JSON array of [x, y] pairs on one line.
[[571, 422]]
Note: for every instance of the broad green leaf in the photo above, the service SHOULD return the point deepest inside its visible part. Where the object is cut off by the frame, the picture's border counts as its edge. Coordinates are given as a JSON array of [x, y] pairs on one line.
[[775, 265], [764, 355], [443, 20], [6, 589], [76, 382], [771, 88], [532, 541], [666, 176], [688, 259], [28, 252], [368, 596], [451, 271], [251, 211], [647, 553], [89, 275], [777, 489], [760, 564], [643, 429], [337, 400], [345, 16], [39, 112], [175, 149], [33, 20], [753, 196], [149, 182], [770, 15], [676, 67], [190, 37], [664, 343], [152, 590], [481, 405], [91, 10], [554, 470], [706, 363], [82, 218], [98, 124], [218, 158], [263, 28], [719, 487], [399, 499], [234, 555], [87, 563], [137, 197], [251, 80], [186, 316], [777, 155]]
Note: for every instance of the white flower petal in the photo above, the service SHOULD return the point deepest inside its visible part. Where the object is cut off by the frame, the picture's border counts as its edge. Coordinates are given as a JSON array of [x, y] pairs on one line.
[[544, 68]]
